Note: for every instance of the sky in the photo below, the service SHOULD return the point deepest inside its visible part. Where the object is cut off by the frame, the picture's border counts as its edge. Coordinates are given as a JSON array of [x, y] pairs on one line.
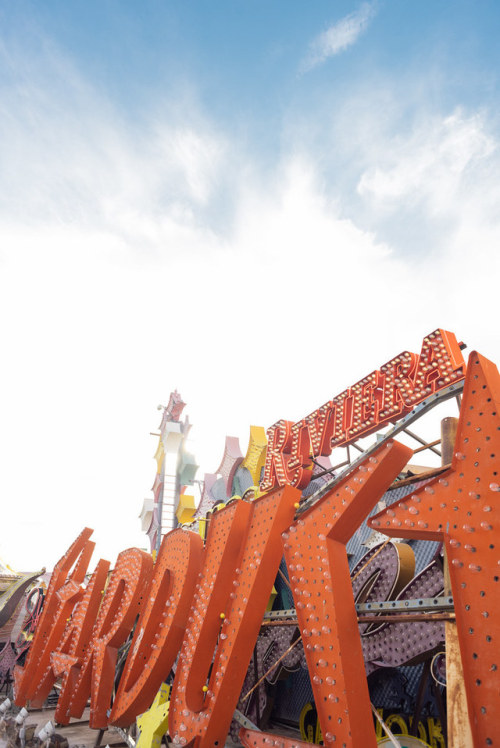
[[256, 203]]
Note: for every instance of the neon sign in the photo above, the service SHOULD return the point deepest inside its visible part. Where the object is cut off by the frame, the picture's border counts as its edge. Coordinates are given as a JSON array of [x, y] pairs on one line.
[[206, 602], [384, 395], [429, 730]]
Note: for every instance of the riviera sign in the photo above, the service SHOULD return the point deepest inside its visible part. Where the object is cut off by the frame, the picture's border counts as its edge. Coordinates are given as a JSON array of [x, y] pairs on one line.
[[383, 396]]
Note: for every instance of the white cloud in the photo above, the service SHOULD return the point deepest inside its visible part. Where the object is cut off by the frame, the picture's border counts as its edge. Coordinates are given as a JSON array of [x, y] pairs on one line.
[[432, 163], [96, 340], [439, 180], [118, 290], [115, 288], [338, 37], [68, 156]]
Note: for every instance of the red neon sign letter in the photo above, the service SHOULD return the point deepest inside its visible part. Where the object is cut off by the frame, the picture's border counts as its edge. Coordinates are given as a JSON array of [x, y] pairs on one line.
[[129, 582], [62, 594], [227, 613], [160, 628], [322, 590]]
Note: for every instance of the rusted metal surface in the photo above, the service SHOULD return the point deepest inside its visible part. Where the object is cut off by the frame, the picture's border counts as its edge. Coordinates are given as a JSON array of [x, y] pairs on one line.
[[458, 725], [448, 435]]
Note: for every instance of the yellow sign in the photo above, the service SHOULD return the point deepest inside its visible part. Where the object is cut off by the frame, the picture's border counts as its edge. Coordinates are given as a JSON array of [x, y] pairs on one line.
[[185, 509], [153, 724]]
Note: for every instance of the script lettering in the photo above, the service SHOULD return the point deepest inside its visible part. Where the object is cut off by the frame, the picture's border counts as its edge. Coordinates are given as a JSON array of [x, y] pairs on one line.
[[64, 590], [68, 657], [160, 628], [129, 582], [240, 593]]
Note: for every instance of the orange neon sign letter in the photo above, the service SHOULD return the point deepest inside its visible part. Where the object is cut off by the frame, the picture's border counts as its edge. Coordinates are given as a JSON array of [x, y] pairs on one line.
[[160, 628], [322, 589], [461, 507], [128, 584], [64, 590], [241, 561]]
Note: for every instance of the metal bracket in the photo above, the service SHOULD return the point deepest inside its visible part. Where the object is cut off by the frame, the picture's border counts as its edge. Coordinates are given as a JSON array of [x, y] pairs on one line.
[[126, 738], [423, 604], [244, 721]]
